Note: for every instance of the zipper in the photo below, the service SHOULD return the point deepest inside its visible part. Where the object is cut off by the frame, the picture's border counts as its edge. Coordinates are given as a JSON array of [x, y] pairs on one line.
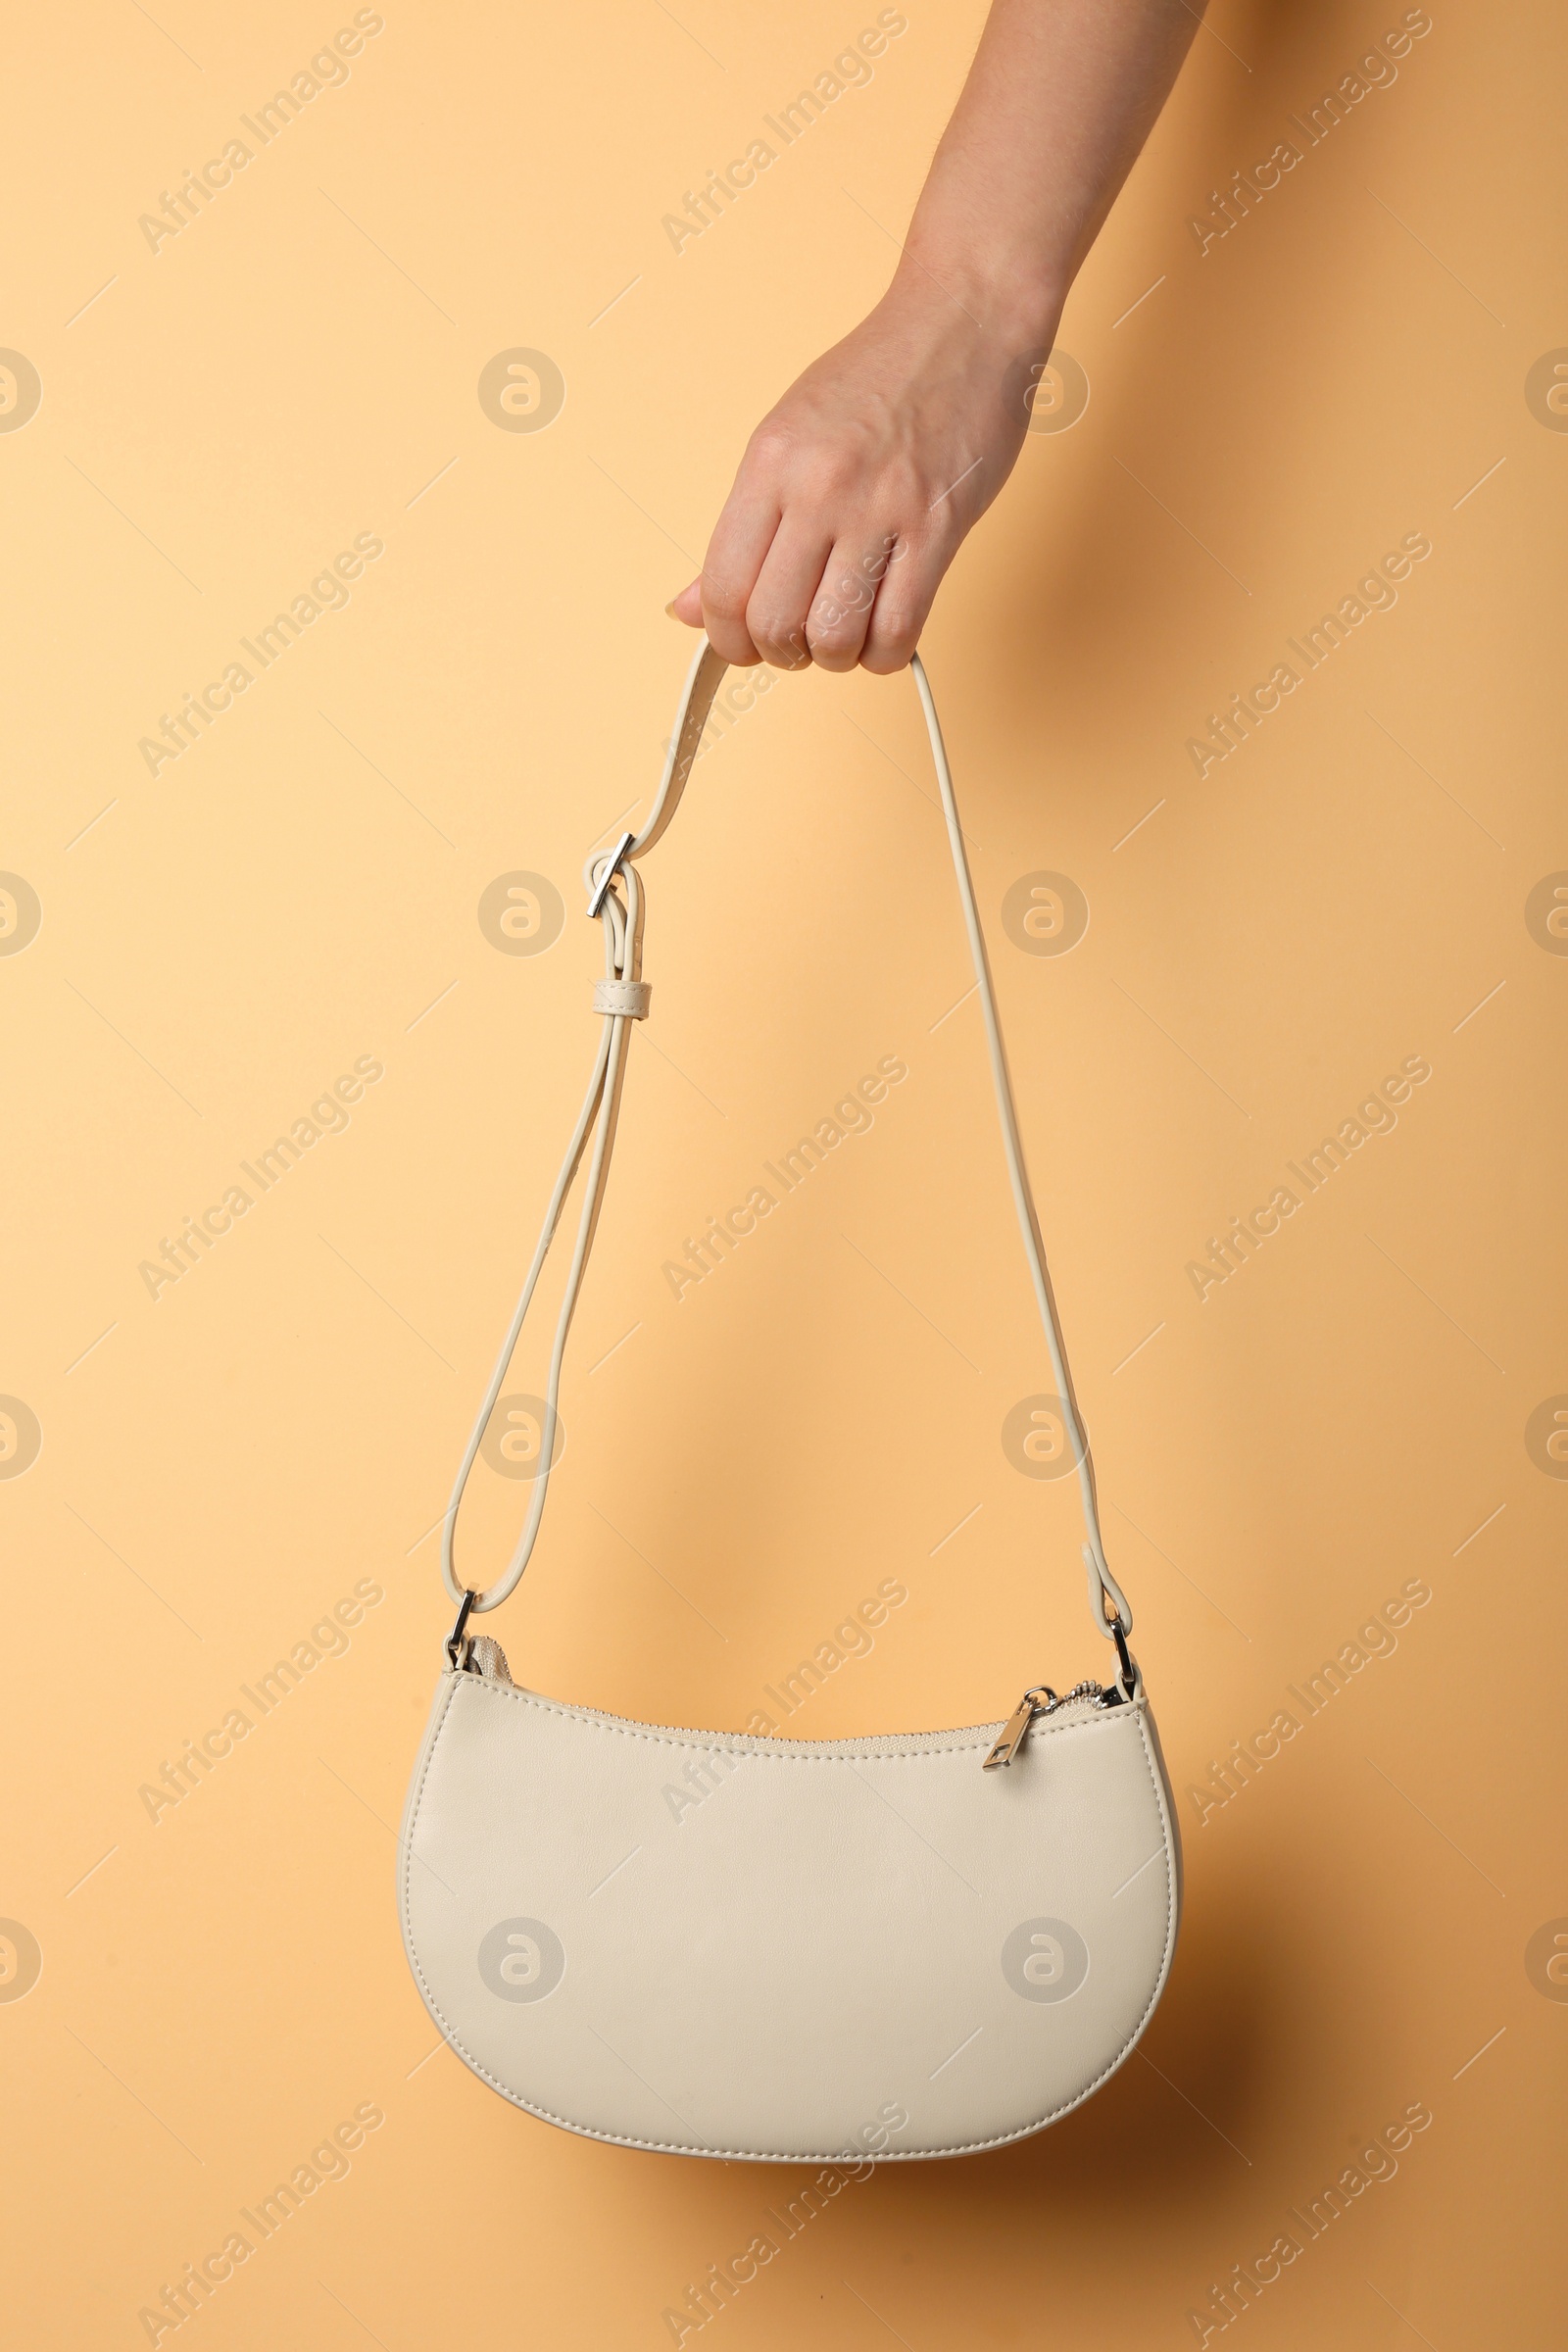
[[1035, 1703], [482, 1656]]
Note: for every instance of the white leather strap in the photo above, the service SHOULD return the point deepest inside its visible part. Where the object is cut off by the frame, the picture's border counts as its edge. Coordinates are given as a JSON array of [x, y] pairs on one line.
[[621, 998]]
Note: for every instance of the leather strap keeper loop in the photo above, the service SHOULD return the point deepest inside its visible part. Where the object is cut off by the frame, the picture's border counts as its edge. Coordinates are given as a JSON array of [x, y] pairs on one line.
[[629, 998]]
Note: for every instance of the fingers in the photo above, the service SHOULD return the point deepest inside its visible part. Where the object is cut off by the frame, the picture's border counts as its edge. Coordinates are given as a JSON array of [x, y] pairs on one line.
[[903, 602], [787, 581], [868, 604], [742, 539], [845, 597], [782, 599]]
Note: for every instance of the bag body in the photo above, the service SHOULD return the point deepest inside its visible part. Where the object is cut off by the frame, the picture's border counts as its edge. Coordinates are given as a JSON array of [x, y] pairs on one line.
[[795, 1950], [709, 1944]]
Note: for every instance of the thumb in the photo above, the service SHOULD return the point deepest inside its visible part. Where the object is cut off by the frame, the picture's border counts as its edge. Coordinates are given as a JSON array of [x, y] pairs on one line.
[[688, 605]]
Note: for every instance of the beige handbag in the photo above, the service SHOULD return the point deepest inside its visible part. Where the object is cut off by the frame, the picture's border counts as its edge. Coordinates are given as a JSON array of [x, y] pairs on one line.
[[886, 1947]]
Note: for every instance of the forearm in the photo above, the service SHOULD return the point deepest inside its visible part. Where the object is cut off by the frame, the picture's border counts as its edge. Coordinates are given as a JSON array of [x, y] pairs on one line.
[[1059, 102]]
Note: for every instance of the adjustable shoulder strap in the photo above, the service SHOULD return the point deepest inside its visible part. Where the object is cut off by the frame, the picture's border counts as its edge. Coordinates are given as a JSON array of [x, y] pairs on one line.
[[622, 996]]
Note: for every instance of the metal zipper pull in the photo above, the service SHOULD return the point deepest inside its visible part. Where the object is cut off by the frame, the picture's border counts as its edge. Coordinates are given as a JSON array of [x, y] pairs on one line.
[[1012, 1736], [1041, 1701]]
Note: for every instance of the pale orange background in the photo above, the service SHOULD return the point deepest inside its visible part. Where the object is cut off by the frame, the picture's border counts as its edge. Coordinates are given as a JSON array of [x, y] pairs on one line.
[[218, 1467]]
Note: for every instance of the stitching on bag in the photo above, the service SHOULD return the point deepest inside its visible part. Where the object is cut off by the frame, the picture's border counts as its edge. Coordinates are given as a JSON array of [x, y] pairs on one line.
[[736, 1742], [671, 2147]]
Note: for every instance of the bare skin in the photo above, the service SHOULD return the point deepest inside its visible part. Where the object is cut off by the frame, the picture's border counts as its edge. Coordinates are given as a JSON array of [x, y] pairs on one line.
[[857, 491]]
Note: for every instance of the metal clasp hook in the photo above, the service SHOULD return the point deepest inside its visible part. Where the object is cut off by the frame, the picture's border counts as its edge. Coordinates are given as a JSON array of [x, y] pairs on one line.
[[1129, 1668], [454, 1641]]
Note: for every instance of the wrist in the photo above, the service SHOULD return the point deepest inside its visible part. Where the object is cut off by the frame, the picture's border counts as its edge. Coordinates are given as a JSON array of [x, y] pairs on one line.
[[1014, 298]]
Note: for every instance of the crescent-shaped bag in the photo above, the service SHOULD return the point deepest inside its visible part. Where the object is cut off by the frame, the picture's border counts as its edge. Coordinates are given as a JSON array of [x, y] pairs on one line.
[[875, 1948]]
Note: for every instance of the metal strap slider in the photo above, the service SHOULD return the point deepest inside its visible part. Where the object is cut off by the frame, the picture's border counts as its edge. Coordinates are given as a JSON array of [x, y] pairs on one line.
[[600, 889]]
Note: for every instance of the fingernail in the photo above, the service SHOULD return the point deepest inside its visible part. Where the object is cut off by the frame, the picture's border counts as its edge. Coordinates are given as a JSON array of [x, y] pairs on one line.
[[671, 612]]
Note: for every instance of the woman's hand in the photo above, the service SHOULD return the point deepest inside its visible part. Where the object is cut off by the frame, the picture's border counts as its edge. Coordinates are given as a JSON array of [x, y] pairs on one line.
[[857, 491], [854, 494]]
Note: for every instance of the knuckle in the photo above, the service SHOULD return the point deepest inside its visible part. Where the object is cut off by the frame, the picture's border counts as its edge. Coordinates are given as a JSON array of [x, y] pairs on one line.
[[835, 637], [893, 641], [780, 642], [722, 599], [770, 448]]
